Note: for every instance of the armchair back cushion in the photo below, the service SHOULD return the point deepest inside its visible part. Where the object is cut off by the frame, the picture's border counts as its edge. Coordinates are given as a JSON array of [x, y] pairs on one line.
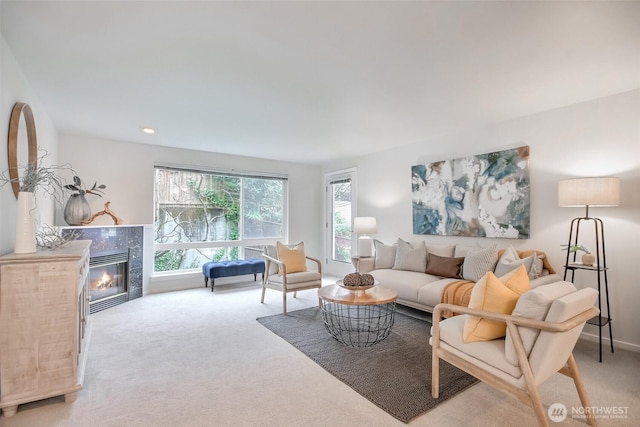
[[559, 344], [534, 304], [272, 252]]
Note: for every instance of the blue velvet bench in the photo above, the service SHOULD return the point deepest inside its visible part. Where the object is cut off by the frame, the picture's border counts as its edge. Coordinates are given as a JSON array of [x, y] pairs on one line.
[[213, 270]]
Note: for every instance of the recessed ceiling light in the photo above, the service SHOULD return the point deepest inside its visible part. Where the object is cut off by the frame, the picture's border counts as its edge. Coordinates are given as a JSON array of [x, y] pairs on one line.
[[149, 130]]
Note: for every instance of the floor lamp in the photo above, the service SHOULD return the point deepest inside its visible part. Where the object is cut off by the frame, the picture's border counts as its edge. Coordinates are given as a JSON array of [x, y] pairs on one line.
[[601, 191], [364, 225]]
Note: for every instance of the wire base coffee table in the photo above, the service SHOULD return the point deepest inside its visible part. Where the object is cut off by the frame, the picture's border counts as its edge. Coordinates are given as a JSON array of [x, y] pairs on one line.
[[358, 318]]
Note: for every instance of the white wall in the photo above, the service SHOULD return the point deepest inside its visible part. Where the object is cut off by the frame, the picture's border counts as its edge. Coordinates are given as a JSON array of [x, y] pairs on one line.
[[127, 171], [15, 88], [596, 138]]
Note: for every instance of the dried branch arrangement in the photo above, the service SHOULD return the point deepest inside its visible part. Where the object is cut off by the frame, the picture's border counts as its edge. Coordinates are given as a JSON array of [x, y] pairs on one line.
[[51, 237], [39, 177]]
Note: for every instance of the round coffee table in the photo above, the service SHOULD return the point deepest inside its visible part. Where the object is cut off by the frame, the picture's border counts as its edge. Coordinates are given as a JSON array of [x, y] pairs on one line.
[[358, 318]]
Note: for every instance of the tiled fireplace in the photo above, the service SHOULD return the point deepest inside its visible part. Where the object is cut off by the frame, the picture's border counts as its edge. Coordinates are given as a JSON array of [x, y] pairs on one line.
[[115, 262]]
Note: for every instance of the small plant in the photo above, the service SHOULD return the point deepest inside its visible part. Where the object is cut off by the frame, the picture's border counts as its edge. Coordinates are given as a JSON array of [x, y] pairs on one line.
[[80, 189], [575, 248]]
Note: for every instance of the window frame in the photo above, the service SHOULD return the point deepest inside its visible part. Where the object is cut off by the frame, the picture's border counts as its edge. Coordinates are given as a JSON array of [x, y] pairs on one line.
[[242, 242], [339, 268]]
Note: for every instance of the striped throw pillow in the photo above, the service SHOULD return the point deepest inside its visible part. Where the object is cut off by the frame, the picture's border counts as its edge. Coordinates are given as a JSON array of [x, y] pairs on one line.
[[477, 263]]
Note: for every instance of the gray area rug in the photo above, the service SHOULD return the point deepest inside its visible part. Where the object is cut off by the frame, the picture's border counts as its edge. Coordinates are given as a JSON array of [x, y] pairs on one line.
[[395, 374]]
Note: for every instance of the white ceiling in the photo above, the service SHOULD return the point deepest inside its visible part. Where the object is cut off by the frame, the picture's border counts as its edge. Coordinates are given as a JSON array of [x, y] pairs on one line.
[[312, 81]]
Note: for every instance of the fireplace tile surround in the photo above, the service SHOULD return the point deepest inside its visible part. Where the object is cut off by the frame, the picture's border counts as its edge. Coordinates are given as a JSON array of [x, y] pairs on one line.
[[117, 238]]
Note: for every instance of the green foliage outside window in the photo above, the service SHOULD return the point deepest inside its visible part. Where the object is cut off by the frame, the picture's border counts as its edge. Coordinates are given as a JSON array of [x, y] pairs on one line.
[[198, 207]]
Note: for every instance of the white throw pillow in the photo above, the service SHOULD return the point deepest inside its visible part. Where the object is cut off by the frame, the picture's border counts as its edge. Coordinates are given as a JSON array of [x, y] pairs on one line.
[[478, 262], [411, 258], [385, 255], [534, 304], [510, 260]]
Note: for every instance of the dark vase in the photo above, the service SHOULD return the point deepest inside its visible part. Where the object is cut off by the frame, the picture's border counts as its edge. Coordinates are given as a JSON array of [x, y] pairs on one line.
[[77, 210]]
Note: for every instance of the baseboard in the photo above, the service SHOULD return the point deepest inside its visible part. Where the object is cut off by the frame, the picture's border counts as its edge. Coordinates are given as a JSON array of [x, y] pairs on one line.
[[191, 280], [616, 343]]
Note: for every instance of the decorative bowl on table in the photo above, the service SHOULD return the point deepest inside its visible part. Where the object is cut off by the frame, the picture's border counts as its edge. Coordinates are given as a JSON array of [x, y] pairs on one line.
[[357, 282]]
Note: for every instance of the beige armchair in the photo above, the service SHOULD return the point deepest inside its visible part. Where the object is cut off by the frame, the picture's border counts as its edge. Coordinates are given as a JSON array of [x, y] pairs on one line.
[[539, 343], [276, 276]]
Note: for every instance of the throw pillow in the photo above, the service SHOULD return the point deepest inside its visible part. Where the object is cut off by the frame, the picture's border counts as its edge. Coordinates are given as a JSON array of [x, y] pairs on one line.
[[293, 257], [478, 262], [510, 260], [444, 266], [538, 266], [385, 255], [409, 257], [534, 304], [497, 295]]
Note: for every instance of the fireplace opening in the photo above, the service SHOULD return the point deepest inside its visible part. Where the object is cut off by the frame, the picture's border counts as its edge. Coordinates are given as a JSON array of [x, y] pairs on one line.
[[108, 280]]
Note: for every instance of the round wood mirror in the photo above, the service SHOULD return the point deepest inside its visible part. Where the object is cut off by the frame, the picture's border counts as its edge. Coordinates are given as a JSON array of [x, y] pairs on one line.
[[22, 134]]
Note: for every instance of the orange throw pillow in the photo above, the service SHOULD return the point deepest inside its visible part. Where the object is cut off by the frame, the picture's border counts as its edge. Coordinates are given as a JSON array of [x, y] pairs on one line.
[[293, 258], [497, 295]]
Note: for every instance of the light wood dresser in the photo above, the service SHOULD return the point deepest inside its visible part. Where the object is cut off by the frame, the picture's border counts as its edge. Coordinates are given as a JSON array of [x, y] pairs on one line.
[[44, 324]]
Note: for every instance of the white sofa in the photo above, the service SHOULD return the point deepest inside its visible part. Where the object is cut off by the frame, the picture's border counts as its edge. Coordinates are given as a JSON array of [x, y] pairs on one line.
[[419, 272]]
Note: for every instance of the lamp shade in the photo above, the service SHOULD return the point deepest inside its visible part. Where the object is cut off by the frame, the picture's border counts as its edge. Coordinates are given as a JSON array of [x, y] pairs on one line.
[[601, 191], [365, 225]]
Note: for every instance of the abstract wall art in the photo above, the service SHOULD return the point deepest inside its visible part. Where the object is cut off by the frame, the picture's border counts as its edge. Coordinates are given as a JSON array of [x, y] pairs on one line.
[[486, 195]]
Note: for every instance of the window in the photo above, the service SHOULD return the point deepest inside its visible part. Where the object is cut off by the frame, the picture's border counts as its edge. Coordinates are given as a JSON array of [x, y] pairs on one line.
[[206, 215]]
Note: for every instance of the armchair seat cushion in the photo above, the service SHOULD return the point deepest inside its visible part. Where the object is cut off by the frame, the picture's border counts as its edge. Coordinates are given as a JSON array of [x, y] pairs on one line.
[[489, 352], [303, 277]]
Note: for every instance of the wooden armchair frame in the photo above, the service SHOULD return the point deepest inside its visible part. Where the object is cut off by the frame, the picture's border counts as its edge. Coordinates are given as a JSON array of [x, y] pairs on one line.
[[284, 287], [529, 395]]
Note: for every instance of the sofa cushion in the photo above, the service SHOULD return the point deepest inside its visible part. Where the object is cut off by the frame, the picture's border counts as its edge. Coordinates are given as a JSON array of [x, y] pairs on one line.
[[431, 294], [385, 254], [444, 266], [478, 262], [441, 250], [406, 283], [410, 257], [534, 304], [510, 260], [497, 295]]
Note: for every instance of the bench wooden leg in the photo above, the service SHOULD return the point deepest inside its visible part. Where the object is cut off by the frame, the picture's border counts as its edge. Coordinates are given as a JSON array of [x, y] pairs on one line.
[[206, 282], [213, 282]]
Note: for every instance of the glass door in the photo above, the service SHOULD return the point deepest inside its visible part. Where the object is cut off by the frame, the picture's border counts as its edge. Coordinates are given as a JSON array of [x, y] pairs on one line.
[[340, 189]]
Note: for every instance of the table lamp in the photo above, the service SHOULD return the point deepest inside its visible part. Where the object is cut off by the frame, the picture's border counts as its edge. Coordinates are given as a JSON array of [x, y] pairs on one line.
[[364, 225]]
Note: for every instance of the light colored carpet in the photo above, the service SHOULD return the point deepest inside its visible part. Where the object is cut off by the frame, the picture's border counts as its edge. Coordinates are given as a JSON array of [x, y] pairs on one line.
[[197, 358]]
